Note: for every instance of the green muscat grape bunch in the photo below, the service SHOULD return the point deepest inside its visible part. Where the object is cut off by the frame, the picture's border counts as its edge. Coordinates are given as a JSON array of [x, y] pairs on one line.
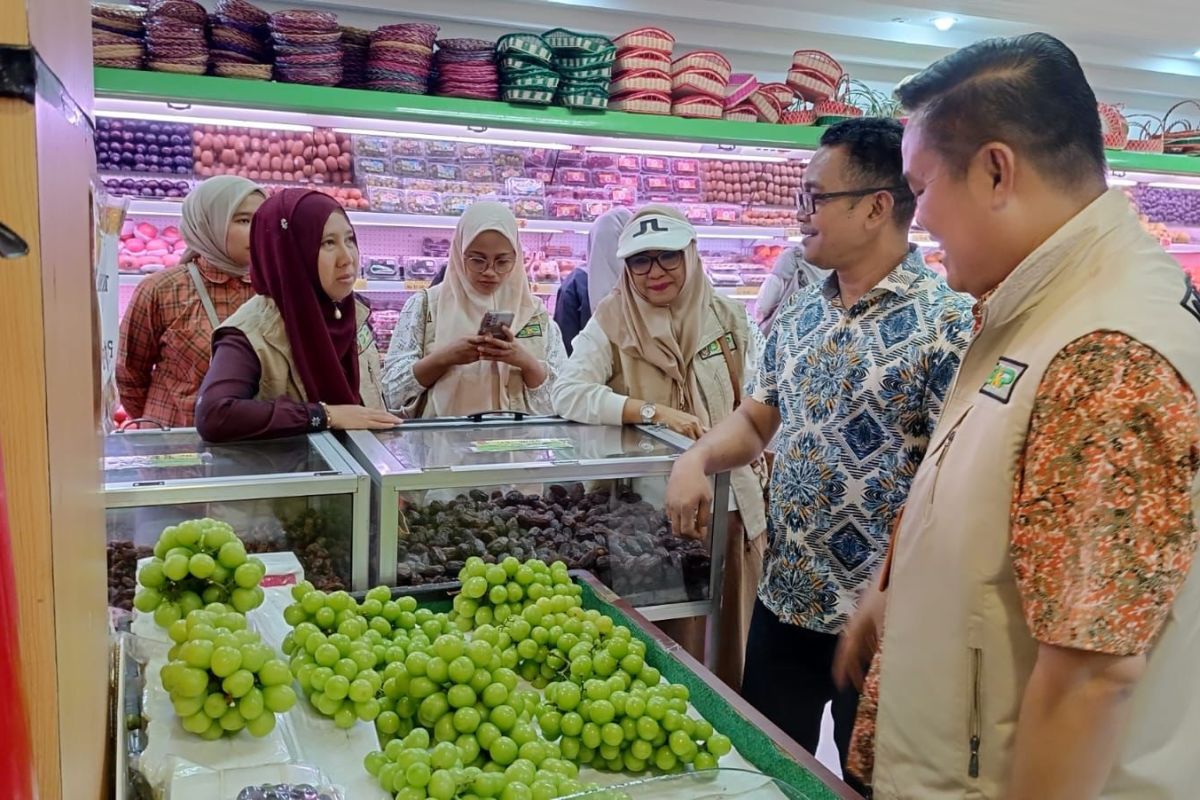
[[415, 768], [221, 678], [494, 593], [336, 645], [197, 563]]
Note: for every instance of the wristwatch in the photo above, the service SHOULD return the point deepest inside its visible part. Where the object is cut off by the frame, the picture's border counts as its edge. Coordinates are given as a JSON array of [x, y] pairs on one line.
[[649, 412]]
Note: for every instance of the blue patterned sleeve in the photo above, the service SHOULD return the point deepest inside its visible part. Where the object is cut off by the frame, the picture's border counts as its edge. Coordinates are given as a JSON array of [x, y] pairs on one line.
[[763, 385], [945, 354]]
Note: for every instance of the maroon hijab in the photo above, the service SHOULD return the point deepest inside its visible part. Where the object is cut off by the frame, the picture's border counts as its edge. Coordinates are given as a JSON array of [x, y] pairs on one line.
[[285, 240]]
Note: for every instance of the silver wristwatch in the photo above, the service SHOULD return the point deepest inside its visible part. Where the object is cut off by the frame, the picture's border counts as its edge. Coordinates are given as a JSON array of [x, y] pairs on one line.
[[649, 412]]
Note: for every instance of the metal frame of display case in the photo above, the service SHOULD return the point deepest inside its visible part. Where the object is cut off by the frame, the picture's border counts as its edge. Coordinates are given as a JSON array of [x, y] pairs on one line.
[[389, 479], [345, 477]]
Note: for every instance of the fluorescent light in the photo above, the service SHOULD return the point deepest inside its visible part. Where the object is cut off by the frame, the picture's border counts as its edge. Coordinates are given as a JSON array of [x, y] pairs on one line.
[[1121, 182], [237, 123], [468, 139], [686, 154], [1169, 185], [756, 236], [944, 24]]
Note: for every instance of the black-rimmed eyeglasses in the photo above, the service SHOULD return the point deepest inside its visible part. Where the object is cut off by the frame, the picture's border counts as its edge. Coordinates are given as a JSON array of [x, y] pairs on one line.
[[808, 202]]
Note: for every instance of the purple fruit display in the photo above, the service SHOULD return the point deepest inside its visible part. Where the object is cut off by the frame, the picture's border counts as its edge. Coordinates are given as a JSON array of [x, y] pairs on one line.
[[164, 188], [284, 791], [1176, 206], [127, 145]]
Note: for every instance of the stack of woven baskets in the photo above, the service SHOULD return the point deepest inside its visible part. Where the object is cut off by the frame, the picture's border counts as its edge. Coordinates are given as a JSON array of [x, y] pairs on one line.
[[118, 39], [584, 63], [641, 81], [698, 84], [176, 39], [308, 47], [241, 41]]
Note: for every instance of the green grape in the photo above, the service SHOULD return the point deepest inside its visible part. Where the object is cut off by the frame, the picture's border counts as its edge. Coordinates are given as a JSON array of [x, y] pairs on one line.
[[232, 554], [166, 614], [232, 721], [239, 683], [279, 698], [225, 661], [252, 706], [215, 706], [719, 745], [175, 567], [202, 565], [704, 760], [368, 710], [147, 599], [345, 718]]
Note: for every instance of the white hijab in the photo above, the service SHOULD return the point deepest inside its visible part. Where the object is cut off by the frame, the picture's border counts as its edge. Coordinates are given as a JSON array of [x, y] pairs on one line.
[[603, 267], [482, 386], [207, 213]]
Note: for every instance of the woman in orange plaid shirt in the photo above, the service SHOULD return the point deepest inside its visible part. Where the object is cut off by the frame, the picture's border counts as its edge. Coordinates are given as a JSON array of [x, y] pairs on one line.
[[166, 334]]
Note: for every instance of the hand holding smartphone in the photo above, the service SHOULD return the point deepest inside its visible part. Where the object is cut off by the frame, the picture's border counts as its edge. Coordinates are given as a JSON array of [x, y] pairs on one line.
[[494, 323]]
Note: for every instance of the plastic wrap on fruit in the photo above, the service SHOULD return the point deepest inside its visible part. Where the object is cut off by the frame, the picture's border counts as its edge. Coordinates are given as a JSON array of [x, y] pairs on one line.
[[408, 147]]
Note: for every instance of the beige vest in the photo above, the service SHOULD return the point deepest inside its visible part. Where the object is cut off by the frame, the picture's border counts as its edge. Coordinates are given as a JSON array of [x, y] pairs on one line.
[[716, 380], [532, 337], [260, 321], [957, 653]]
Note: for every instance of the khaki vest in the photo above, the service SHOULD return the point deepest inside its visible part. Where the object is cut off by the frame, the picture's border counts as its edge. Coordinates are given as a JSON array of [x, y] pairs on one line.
[[259, 320], [716, 378], [532, 337], [957, 653]]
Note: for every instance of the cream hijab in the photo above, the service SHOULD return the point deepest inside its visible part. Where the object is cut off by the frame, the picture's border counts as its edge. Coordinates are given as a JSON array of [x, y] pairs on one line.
[[482, 386], [657, 344], [207, 211]]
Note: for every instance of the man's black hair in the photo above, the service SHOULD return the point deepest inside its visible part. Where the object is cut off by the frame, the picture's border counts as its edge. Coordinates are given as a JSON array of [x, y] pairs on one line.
[[1028, 92], [872, 147]]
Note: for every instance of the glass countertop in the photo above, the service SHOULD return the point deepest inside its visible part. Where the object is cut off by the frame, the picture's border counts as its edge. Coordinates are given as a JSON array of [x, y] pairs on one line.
[[145, 456], [421, 447]]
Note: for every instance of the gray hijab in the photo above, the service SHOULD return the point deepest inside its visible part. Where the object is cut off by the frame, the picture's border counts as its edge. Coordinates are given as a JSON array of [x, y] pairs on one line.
[[791, 274], [207, 212], [603, 267]]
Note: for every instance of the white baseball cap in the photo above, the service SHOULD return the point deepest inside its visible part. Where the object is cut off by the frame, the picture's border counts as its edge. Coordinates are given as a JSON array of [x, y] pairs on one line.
[[654, 232]]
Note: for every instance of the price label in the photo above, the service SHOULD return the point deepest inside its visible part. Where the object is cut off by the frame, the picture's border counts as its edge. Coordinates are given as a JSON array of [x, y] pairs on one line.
[[416, 286]]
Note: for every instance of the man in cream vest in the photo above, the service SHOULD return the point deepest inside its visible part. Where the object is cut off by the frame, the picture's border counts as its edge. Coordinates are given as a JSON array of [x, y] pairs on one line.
[[1040, 618]]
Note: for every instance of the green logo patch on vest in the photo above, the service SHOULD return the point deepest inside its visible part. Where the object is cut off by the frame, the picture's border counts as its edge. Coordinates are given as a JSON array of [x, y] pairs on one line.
[[365, 338], [713, 348], [1002, 381], [530, 331]]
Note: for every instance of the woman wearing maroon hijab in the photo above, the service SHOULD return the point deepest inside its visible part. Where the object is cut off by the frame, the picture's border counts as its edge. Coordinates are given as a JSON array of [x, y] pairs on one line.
[[300, 356]]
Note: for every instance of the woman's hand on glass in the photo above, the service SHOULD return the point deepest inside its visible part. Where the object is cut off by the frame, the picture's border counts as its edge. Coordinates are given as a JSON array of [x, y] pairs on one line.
[[680, 422], [359, 418]]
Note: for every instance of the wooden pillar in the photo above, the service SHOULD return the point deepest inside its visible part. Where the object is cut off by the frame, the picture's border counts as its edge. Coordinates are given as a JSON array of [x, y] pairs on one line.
[[48, 418]]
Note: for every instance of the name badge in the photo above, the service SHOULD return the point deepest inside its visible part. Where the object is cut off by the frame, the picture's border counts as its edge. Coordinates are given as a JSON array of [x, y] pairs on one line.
[[366, 338], [530, 331], [713, 348]]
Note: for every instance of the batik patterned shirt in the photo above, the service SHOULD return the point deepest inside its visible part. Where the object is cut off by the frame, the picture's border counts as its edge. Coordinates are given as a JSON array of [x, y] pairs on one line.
[[858, 391]]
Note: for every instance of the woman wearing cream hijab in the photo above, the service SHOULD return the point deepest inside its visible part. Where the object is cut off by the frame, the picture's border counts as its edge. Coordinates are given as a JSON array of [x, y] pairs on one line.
[[438, 365], [664, 348], [166, 334]]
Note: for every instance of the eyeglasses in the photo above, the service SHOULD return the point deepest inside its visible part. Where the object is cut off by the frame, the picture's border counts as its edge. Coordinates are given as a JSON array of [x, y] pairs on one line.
[[808, 201], [642, 263], [501, 266]]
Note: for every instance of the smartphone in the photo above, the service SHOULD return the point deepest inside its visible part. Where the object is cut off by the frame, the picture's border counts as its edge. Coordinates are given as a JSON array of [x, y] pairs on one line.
[[494, 323]]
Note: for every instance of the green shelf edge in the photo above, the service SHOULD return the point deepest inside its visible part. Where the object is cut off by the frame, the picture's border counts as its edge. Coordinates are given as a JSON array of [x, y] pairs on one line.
[[297, 98], [300, 99]]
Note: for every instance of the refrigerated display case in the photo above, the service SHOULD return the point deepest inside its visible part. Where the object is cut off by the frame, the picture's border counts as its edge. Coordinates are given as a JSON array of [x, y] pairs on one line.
[[301, 494], [589, 495]]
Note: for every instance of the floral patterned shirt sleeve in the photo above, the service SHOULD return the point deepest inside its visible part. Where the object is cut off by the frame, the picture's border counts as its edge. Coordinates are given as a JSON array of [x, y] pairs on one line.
[[1103, 531]]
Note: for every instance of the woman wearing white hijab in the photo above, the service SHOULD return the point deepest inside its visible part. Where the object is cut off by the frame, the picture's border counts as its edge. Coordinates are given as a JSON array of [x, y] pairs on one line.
[[166, 333], [664, 348], [591, 282], [438, 365]]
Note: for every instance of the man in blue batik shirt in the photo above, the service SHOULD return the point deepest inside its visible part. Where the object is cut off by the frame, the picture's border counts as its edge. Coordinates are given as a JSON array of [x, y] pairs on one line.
[[852, 380]]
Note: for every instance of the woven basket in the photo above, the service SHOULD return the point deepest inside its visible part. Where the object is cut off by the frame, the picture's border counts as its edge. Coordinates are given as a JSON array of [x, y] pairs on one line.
[[531, 96], [1152, 145], [1152, 130], [253, 72], [641, 80], [819, 62], [1114, 126], [800, 117], [604, 58], [525, 44], [641, 58], [655, 39], [742, 113], [1179, 136], [739, 89], [563, 39], [696, 81], [811, 85], [698, 108], [783, 93], [641, 103], [769, 109], [703, 59]]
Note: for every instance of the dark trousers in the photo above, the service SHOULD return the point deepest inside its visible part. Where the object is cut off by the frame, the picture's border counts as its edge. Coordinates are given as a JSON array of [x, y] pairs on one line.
[[789, 678]]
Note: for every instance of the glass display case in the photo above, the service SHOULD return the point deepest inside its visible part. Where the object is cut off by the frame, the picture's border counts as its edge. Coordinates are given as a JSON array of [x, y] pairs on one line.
[[302, 495], [591, 496]]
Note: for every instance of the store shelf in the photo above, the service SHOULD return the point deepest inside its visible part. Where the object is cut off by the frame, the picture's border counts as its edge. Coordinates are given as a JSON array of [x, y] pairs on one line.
[[170, 208], [318, 100], [310, 101]]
